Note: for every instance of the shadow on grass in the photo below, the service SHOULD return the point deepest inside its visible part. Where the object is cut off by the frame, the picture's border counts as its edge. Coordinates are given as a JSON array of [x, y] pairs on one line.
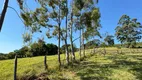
[[92, 70], [89, 70], [135, 67]]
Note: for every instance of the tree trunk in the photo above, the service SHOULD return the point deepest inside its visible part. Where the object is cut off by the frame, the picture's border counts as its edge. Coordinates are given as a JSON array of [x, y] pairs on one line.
[[80, 45], [83, 43], [67, 52], [2, 16], [72, 49], [59, 60], [59, 36]]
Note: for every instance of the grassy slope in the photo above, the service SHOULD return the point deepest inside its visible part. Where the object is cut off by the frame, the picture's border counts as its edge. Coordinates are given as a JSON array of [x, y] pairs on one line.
[[98, 67]]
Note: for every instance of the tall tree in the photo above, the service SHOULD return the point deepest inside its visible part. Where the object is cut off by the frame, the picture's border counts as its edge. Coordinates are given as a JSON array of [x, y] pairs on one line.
[[67, 51], [59, 12], [109, 40], [59, 27], [65, 12], [85, 13], [71, 30], [55, 11], [49, 12], [128, 31]]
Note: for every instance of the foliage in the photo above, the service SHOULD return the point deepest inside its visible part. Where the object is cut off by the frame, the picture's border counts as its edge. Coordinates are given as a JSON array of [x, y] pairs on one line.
[[3, 56], [128, 31], [52, 49], [24, 50], [69, 48], [88, 17], [109, 40], [110, 67], [38, 48], [92, 44], [85, 12], [11, 55], [27, 37], [92, 23], [103, 44]]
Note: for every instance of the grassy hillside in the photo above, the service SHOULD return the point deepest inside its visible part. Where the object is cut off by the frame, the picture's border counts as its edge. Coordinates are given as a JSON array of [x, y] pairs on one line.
[[113, 66], [26, 66]]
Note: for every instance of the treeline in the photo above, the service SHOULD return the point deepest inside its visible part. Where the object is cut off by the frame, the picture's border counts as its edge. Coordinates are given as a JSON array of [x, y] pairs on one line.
[[97, 43], [108, 42], [39, 48]]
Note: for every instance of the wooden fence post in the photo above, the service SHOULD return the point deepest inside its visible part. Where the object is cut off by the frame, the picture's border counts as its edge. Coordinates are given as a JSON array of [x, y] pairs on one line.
[[45, 64], [15, 68]]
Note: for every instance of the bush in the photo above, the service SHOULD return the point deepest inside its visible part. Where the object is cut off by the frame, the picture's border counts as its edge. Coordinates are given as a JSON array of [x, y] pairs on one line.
[[69, 48], [52, 49], [11, 55], [3, 56], [36, 49]]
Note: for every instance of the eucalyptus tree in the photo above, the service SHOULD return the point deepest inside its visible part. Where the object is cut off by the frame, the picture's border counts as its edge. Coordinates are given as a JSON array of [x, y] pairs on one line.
[[70, 28], [59, 12], [91, 22], [36, 20], [109, 40], [128, 31], [66, 35], [85, 11], [49, 12]]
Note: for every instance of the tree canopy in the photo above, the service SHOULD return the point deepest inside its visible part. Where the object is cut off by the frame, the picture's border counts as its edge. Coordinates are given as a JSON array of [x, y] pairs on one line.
[[128, 30]]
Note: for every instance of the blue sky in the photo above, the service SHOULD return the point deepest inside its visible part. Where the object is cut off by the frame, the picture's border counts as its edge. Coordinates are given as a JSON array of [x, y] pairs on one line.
[[111, 11]]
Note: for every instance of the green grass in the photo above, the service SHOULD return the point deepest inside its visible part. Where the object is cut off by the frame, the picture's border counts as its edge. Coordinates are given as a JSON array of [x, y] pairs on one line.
[[127, 66]]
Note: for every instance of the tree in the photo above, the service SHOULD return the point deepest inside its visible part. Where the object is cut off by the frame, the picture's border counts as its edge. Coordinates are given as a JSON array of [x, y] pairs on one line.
[[24, 50], [59, 11], [11, 55], [55, 11], [39, 48], [35, 20], [85, 11], [93, 43], [69, 48], [3, 56], [109, 40], [71, 22], [128, 31], [66, 36], [91, 23], [34, 49], [52, 49]]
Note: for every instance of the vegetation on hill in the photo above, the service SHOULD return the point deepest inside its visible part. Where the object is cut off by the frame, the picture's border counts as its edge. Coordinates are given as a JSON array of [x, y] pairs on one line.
[[82, 16], [113, 66], [36, 49]]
